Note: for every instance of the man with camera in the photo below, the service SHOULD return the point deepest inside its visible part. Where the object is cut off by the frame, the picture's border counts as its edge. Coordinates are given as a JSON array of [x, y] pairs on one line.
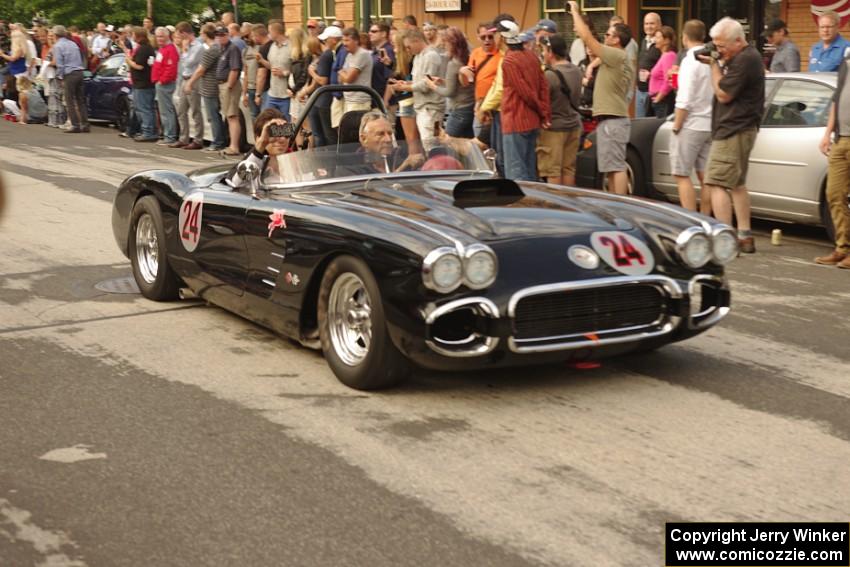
[[737, 78]]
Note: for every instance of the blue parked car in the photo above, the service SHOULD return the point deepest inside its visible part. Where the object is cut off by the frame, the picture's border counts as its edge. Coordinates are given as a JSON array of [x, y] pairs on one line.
[[109, 93]]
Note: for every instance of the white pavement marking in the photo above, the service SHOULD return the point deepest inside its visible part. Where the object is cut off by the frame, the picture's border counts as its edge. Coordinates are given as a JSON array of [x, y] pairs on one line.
[[784, 360], [16, 526], [112, 165], [73, 454], [559, 465]]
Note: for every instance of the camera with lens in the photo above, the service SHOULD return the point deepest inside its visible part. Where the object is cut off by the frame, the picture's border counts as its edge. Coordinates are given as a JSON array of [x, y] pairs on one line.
[[281, 130], [709, 50]]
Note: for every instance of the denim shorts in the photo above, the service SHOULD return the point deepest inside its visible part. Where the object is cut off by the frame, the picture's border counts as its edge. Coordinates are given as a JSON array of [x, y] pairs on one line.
[[406, 110]]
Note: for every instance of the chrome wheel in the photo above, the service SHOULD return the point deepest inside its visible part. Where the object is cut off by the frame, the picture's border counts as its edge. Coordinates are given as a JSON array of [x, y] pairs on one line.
[[350, 319], [147, 248]]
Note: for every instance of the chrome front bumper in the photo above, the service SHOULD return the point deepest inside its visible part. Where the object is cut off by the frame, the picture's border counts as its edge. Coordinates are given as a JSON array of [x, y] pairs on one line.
[[475, 342]]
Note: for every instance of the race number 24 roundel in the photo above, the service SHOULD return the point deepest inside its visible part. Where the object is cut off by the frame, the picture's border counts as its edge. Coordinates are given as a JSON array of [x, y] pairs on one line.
[[189, 220], [623, 252]]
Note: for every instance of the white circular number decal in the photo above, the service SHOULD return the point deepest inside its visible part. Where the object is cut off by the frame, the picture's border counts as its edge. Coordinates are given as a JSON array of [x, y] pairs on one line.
[[189, 220], [625, 253]]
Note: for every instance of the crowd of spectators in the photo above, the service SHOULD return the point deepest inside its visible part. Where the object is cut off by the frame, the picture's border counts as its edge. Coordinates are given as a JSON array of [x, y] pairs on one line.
[[527, 94]]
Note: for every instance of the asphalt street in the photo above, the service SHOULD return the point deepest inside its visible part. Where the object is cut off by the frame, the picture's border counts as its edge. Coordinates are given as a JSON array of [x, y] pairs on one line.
[[138, 433]]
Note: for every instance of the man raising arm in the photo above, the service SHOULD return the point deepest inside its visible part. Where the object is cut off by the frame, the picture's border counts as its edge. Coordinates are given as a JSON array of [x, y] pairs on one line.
[[610, 100]]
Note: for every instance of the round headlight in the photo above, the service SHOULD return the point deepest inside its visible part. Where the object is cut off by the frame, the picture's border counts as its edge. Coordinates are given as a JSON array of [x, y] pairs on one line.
[[442, 270], [480, 267], [725, 246], [694, 247]]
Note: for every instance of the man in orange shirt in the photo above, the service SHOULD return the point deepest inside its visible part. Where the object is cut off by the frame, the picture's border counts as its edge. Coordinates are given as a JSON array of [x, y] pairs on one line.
[[482, 66]]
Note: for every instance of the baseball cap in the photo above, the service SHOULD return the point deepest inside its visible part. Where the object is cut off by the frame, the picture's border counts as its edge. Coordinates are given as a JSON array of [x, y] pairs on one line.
[[527, 35], [221, 30], [429, 26], [330, 31], [510, 31], [312, 23], [110, 28], [548, 25], [774, 26]]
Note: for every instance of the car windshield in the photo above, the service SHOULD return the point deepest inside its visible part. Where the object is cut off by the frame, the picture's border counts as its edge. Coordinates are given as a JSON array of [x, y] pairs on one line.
[[354, 160]]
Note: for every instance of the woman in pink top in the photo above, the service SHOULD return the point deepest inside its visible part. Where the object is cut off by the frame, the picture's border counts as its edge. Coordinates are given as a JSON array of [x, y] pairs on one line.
[[660, 90]]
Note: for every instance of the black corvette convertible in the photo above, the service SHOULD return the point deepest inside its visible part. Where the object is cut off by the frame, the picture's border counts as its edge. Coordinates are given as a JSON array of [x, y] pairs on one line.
[[445, 266]]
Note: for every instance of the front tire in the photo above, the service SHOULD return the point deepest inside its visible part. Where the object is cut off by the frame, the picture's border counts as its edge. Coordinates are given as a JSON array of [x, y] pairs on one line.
[[353, 328], [123, 114], [148, 255]]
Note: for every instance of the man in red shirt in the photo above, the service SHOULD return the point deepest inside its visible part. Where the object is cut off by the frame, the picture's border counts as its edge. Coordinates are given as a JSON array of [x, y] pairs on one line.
[[164, 76], [525, 106]]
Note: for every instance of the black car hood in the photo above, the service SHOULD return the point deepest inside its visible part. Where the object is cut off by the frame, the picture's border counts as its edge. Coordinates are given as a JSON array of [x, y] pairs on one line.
[[539, 211]]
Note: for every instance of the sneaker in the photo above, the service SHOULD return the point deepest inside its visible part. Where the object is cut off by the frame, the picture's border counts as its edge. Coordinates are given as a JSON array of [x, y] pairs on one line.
[[832, 259], [212, 149], [142, 139], [73, 131], [747, 245]]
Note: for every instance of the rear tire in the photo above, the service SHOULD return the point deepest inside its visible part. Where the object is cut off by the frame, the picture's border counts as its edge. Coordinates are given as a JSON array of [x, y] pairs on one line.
[[148, 255], [353, 328], [637, 177], [636, 173]]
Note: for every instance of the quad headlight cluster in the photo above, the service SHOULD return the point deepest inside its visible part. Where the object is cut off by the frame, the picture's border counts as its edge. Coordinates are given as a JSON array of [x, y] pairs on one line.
[[697, 248], [445, 269]]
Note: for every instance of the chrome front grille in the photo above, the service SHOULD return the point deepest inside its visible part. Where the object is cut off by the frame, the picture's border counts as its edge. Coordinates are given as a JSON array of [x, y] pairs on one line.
[[588, 311], [591, 313]]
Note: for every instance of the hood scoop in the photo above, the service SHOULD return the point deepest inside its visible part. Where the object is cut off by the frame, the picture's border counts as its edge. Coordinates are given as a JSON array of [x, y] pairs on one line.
[[486, 192]]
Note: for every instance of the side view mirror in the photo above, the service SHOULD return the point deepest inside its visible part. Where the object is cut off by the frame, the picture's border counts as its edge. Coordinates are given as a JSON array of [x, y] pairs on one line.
[[250, 172], [490, 156]]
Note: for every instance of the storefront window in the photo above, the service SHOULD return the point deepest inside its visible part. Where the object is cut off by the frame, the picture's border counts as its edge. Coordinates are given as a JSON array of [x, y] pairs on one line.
[[599, 11], [710, 11], [382, 10], [322, 9]]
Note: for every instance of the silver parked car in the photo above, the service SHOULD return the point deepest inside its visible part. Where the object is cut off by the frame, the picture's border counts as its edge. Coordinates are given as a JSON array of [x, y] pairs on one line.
[[787, 172]]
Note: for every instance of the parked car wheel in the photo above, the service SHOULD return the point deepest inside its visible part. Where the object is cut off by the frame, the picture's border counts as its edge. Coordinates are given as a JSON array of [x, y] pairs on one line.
[[123, 113], [353, 329], [636, 173], [148, 256], [826, 216]]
